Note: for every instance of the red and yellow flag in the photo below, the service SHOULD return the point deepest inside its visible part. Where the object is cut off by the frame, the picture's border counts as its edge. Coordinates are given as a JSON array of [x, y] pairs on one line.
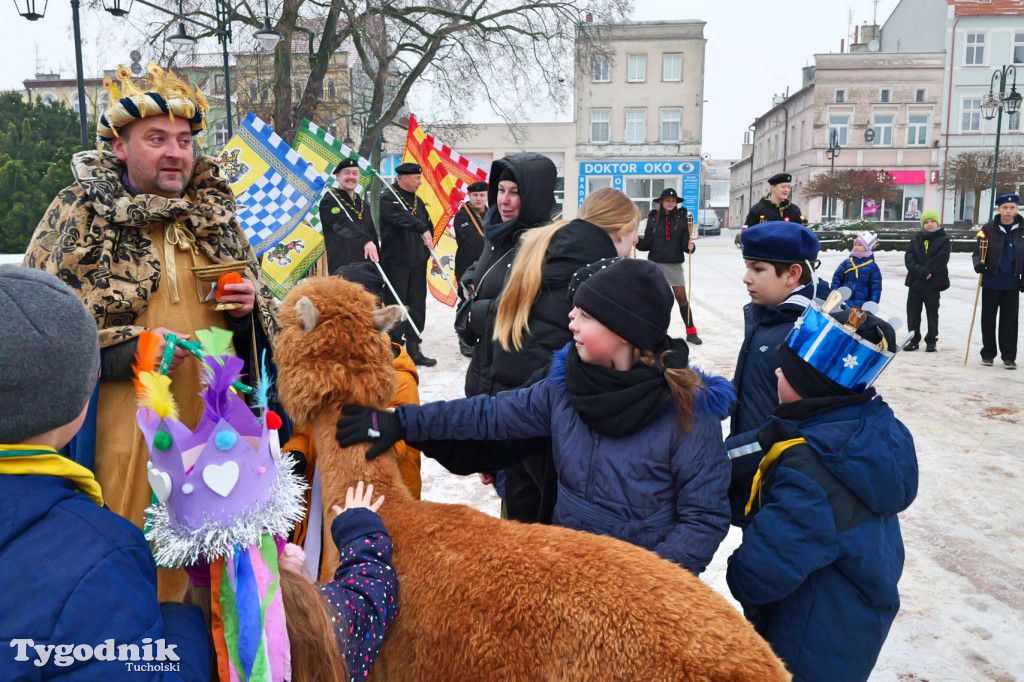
[[445, 175]]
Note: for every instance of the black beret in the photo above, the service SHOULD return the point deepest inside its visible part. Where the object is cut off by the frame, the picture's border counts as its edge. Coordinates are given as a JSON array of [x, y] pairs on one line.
[[409, 169], [345, 163], [478, 186], [668, 192], [780, 178]]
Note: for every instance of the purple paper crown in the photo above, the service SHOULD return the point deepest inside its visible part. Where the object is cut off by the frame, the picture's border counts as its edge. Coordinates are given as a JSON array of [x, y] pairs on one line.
[[220, 485]]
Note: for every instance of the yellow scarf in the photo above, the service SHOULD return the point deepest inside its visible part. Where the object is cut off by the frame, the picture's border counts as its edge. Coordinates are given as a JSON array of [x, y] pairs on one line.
[[43, 461], [856, 268], [767, 461]]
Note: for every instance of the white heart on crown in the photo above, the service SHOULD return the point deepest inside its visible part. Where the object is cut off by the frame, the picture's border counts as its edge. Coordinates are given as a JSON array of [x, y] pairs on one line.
[[221, 478], [160, 482]]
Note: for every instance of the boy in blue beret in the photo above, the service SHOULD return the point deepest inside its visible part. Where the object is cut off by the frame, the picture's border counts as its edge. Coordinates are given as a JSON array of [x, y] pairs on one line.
[[819, 564], [780, 257], [1002, 281]]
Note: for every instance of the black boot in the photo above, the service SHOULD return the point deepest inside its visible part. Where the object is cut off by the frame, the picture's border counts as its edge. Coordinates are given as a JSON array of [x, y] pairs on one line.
[[466, 349], [413, 347]]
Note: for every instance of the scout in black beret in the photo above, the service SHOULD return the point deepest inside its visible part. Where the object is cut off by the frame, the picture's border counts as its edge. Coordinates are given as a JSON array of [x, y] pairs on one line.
[[345, 163], [478, 186], [780, 178]]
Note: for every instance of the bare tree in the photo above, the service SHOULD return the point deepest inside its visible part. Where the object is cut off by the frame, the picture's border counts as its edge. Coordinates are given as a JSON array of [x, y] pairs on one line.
[[851, 185], [972, 172]]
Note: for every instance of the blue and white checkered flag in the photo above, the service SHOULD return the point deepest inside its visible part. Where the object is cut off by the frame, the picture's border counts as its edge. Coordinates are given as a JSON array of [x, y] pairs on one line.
[[274, 202]]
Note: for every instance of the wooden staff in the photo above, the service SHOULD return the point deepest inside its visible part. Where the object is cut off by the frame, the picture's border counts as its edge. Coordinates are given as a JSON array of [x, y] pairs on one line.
[[983, 250], [689, 288]]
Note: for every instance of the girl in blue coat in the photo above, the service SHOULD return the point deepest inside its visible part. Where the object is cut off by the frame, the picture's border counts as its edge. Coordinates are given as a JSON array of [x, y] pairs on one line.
[[818, 567], [636, 434], [860, 273]]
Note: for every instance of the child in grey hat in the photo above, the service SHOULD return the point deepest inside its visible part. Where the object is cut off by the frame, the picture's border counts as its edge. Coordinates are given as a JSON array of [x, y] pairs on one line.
[[66, 558]]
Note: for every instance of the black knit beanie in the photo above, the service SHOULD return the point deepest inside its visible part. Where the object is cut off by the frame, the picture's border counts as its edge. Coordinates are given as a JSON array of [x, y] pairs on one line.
[[629, 296]]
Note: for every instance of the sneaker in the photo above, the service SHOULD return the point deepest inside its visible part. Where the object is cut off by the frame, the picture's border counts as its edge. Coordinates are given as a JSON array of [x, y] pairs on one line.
[[913, 345], [930, 348], [1009, 364], [986, 362], [693, 339]]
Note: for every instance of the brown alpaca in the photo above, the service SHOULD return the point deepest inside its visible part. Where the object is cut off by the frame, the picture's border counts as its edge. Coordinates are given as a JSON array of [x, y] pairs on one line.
[[487, 599]]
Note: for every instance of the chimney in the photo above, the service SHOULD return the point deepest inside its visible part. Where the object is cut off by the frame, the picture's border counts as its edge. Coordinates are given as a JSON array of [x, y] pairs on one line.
[[856, 34], [590, 18], [842, 45]]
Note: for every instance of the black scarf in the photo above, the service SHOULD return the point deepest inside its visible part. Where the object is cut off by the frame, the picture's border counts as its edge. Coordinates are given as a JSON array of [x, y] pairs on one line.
[[618, 403]]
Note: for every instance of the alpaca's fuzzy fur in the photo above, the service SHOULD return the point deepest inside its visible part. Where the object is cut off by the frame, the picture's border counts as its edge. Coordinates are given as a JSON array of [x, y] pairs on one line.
[[486, 599]]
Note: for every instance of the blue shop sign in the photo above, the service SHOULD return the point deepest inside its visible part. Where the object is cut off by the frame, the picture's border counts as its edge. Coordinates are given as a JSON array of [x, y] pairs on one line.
[[618, 170]]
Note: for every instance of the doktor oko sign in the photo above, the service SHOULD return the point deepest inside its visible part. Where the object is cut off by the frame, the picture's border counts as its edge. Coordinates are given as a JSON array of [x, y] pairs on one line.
[[620, 171]]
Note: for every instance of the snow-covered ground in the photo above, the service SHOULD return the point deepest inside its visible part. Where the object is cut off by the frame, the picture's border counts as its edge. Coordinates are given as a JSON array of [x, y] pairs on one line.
[[962, 616]]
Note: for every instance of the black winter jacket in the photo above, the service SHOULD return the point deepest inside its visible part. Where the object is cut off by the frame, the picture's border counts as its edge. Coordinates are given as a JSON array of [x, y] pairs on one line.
[[933, 259], [470, 240], [666, 236], [766, 211], [403, 220], [345, 232], [535, 175], [996, 237]]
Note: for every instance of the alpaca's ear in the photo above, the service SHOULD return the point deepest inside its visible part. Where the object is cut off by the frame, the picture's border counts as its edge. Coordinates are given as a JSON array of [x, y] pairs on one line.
[[386, 318], [308, 313]]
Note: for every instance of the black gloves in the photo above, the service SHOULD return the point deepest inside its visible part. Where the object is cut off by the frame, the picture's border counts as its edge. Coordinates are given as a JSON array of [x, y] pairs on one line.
[[367, 425], [980, 268]]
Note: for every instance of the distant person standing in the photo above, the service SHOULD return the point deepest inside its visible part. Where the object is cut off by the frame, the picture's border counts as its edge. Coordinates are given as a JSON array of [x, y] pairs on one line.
[[776, 206], [349, 235], [469, 235], [927, 274], [405, 233], [1002, 282], [667, 236]]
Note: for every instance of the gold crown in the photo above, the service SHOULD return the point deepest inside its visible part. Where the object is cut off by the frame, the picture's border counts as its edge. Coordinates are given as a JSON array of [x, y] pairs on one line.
[[159, 93]]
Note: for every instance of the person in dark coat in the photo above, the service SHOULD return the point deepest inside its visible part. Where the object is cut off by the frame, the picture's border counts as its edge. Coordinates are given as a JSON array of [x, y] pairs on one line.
[[776, 206], [927, 274], [469, 236], [405, 232], [74, 573], [1002, 281], [637, 443], [860, 273], [349, 235], [818, 567], [779, 280], [669, 237]]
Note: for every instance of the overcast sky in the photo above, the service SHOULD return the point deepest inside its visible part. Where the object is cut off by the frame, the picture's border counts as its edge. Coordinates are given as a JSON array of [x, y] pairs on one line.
[[755, 49]]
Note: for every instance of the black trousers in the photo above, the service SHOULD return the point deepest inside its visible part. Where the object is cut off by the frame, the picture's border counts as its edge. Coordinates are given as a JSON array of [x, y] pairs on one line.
[[1005, 305], [410, 283], [929, 298]]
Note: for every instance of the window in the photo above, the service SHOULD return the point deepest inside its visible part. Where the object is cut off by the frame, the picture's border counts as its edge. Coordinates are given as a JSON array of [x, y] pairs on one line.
[[971, 121], [919, 95], [883, 130], [672, 66], [891, 209], [913, 202], [840, 124], [218, 82], [600, 125], [1013, 122], [670, 125], [974, 51], [74, 104], [637, 72], [220, 134], [252, 92], [332, 93], [48, 98], [643, 190], [884, 95], [602, 70], [1018, 48], [635, 126], [596, 183], [917, 129], [840, 96]]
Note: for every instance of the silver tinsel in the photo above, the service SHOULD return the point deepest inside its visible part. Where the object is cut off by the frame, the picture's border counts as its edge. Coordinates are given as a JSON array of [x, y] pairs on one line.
[[174, 548]]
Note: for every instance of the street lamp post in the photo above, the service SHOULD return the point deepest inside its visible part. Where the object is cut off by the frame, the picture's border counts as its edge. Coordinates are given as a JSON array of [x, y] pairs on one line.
[[992, 106], [832, 152], [31, 11]]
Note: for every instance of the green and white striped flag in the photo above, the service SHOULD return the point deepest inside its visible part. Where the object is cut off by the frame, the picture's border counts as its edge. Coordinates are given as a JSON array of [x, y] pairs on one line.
[[323, 151]]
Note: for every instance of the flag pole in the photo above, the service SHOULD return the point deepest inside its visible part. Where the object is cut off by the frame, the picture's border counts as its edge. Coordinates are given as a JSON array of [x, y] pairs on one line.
[[408, 318]]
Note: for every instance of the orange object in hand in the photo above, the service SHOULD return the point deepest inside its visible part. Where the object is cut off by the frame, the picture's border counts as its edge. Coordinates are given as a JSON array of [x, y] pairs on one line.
[[229, 278]]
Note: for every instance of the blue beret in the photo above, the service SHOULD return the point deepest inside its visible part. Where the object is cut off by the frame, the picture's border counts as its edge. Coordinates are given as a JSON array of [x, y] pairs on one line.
[[779, 242], [1008, 198]]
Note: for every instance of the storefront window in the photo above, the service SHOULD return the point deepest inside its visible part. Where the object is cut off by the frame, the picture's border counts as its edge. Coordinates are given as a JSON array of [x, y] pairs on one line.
[[913, 202], [644, 191]]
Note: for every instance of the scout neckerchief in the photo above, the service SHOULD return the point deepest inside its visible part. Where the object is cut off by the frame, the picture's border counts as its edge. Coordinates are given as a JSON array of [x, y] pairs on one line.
[[39, 460], [773, 454], [856, 268], [472, 216], [352, 202], [781, 206]]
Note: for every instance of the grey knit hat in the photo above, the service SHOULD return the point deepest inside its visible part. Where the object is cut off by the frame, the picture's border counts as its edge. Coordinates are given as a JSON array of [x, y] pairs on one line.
[[49, 353]]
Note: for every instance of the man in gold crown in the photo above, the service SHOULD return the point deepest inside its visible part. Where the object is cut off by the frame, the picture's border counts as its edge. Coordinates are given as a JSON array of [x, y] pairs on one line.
[[126, 237]]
